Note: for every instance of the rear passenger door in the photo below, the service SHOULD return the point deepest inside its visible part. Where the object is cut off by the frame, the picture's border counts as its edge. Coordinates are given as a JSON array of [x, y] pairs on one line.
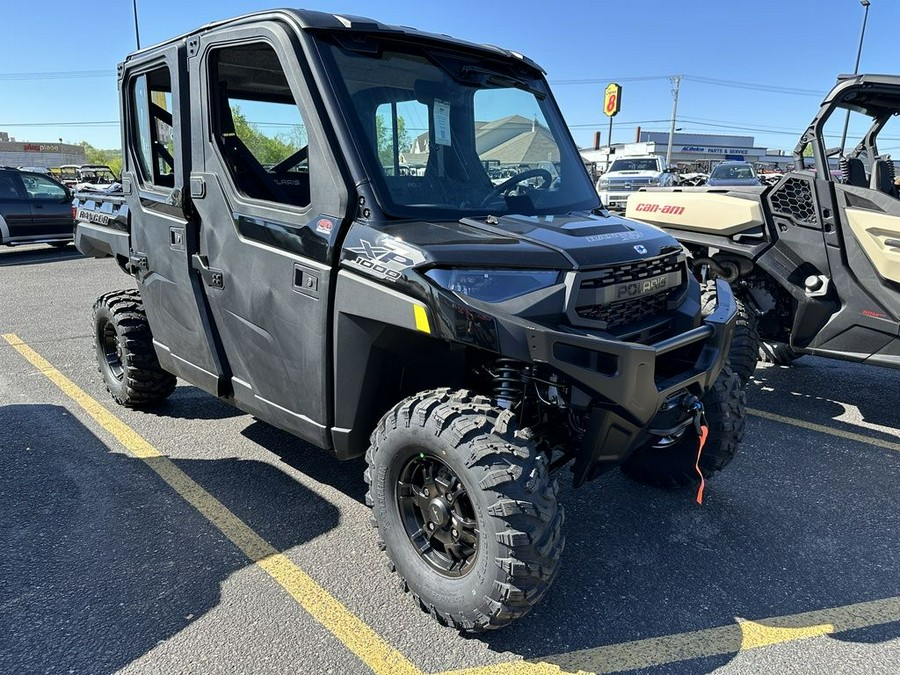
[[15, 211], [270, 209], [163, 235], [51, 207]]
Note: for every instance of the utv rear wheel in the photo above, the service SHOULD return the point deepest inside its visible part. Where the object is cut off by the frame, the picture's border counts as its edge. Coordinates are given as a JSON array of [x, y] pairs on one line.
[[671, 462], [125, 353], [465, 508], [745, 345]]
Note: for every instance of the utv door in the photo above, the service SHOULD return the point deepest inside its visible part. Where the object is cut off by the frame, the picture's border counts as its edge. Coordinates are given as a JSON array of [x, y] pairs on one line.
[[163, 239], [270, 203]]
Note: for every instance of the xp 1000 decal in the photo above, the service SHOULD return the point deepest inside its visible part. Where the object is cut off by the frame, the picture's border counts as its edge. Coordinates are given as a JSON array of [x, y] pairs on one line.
[[385, 259]]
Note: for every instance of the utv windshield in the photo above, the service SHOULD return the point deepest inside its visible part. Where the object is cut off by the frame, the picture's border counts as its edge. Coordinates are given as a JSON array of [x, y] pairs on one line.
[[448, 134]]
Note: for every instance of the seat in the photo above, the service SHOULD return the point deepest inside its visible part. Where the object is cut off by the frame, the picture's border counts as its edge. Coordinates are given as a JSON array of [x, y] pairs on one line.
[[883, 177], [854, 172]]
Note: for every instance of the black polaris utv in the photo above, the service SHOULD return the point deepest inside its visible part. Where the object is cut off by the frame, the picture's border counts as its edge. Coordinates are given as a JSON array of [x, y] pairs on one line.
[[815, 257], [307, 211]]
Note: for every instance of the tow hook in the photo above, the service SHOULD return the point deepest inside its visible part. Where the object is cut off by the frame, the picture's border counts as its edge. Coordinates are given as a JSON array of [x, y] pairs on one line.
[[694, 405]]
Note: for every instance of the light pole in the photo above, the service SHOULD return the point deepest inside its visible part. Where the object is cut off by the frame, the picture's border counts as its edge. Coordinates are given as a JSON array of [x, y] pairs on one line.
[[137, 35], [862, 35]]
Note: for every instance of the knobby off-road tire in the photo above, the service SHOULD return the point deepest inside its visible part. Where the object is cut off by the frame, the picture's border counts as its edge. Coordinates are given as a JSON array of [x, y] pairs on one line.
[[745, 345], [125, 354], [509, 506], [672, 465], [778, 353]]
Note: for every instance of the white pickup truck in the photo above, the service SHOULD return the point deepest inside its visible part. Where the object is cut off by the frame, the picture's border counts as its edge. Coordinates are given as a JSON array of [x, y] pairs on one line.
[[629, 174]]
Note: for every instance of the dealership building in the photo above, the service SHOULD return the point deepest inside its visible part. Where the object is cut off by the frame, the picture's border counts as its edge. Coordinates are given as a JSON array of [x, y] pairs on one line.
[[38, 153], [689, 151]]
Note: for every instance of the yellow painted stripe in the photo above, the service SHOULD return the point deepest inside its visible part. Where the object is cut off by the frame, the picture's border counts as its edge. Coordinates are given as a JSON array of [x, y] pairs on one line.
[[370, 647], [822, 429], [421, 319], [740, 637]]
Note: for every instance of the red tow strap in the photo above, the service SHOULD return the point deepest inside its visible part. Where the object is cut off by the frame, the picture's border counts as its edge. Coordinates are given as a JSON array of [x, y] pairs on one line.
[[704, 432]]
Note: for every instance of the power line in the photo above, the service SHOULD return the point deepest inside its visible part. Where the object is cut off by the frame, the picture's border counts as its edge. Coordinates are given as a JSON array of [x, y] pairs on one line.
[[755, 86], [112, 123], [57, 75]]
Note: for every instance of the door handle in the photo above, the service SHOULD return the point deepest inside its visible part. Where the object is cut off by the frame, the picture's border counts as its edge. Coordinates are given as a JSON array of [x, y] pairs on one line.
[[211, 276]]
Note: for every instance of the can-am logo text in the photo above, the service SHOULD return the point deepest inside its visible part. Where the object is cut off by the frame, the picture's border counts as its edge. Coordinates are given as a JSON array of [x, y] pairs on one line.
[[660, 208]]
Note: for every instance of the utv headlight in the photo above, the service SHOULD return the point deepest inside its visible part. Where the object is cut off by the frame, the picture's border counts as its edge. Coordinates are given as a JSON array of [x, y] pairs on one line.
[[492, 285]]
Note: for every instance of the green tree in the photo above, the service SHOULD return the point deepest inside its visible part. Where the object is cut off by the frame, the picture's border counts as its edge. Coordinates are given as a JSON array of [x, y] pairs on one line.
[[384, 138], [267, 149], [111, 158]]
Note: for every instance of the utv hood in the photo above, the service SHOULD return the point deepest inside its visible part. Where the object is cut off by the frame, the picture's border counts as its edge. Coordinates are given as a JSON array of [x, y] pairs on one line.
[[578, 241]]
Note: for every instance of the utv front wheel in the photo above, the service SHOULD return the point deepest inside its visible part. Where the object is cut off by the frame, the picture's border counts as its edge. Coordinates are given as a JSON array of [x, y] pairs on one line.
[[671, 461], [125, 354], [465, 508]]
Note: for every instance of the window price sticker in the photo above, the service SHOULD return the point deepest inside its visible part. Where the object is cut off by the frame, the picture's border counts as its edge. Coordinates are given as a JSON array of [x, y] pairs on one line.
[[441, 122]]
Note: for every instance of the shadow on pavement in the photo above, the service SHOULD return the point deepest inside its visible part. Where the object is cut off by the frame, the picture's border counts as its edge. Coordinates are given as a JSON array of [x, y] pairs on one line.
[[190, 403], [819, 390], [14, 257], [798, 522], [346, 476], [102, 560]]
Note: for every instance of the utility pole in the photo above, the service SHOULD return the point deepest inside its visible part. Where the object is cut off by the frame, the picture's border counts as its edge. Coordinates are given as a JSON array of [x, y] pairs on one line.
[[137, 35], [676, 86]]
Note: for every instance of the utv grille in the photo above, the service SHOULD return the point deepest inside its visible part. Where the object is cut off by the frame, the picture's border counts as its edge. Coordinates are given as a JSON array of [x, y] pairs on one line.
[[625, 312], [642, 269], [793, 199], [598, 300]]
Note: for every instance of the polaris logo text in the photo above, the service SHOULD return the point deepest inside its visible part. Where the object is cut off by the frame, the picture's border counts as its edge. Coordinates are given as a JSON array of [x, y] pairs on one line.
[[660, 208], [638, 288]]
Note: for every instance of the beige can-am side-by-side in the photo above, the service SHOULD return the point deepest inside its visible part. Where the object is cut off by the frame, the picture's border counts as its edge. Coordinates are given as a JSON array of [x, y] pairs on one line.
[[815, 258]]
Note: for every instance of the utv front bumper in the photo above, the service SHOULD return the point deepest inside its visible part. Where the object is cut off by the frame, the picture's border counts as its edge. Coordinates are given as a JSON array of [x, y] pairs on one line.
[[630, 383]]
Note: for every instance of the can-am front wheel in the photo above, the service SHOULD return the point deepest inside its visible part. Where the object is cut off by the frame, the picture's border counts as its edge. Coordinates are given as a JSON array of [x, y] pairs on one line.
[[672, 462], [465, 508]]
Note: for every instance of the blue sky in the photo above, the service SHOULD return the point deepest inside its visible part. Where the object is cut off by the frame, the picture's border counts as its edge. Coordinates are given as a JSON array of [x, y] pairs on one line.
[[752, 68]]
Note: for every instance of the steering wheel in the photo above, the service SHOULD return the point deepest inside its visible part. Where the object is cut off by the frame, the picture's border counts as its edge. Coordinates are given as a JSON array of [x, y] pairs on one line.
[[515, 180]]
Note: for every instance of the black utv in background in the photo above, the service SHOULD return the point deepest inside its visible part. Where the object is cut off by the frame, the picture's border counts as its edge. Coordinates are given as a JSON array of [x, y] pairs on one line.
[[308, 211], [815, 258]]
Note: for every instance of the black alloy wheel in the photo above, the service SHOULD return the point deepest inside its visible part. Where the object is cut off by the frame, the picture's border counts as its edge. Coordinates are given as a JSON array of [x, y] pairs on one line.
[[111, 349], [438, 515]]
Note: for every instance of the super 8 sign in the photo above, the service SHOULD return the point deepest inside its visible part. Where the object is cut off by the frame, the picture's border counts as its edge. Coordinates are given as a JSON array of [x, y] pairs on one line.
[[612, 100]]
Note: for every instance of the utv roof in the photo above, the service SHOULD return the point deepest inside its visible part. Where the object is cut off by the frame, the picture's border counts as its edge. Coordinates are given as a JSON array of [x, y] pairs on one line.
[[343, 23], [870, 94]]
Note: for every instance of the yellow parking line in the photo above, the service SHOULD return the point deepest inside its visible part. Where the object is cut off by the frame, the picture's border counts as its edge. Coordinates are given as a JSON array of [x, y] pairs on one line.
[[378, 655], [724, 640], [812, 426], [356, 635]]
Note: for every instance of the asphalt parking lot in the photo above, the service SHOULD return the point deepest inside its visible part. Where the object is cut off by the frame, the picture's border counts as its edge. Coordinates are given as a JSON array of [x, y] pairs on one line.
[[195, 539]]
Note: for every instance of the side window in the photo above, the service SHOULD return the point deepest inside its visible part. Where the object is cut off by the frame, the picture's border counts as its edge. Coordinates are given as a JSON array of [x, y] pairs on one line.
[[152, 127], [401, 138], [8, 189], [42, 188], [257, 125]]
